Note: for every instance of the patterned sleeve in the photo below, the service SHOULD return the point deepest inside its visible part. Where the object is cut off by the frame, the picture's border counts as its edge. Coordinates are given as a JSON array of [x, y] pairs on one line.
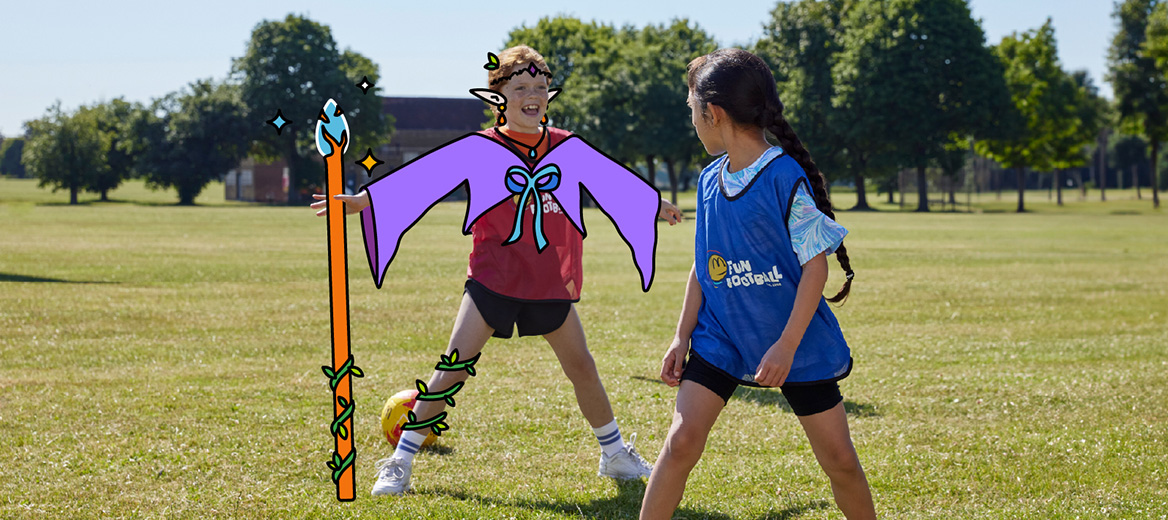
[[812, 232]]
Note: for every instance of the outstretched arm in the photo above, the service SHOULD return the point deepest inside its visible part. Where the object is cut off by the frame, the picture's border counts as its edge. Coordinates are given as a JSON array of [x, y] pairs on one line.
[[669, 213], [353, 203]]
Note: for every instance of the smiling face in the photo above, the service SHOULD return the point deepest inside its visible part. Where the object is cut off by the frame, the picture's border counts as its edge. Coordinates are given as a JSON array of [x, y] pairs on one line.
[[527, 101]]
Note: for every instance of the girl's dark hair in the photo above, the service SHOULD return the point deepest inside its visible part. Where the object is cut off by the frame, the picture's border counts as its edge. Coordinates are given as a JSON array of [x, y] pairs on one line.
[[741, 84]]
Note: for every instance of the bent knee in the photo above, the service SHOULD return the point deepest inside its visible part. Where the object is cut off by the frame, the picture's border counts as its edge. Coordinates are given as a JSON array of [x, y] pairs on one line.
[[581, 370], [685, 444], [844, 464]]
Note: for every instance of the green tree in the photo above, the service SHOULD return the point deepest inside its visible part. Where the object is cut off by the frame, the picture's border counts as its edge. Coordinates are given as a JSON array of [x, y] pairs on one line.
[[1156, 43], [951, 160], [1084, 111], [861, 117], [65, 150], [112, 119], [294, 66], [192, 138], [623, 89], [1037, 88], [663, 128], [1141, 89], [1156, 47], [800, 43], [588, 64], [10, 162], [924, 64], [1128, 154]]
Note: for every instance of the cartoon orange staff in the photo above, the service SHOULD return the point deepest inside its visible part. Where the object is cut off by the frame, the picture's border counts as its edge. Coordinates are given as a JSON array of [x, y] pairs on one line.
[[332, 139]]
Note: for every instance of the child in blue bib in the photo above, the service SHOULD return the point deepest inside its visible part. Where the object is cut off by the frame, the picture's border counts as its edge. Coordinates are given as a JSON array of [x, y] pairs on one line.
[[754, 312]]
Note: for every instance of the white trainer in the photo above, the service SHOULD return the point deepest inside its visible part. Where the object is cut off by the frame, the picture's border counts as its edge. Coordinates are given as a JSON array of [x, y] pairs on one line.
[[625, 464], [393, 476]]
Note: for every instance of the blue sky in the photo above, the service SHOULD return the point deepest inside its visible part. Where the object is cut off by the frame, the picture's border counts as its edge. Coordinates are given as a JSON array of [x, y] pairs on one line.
[[85, 52]]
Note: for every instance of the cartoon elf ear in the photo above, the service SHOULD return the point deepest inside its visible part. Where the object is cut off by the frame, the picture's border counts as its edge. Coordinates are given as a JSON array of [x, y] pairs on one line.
[[553, 93], [490, 96]]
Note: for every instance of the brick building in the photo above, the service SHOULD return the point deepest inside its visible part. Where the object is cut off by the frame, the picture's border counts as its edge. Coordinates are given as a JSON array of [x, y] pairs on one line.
[[420, 125]]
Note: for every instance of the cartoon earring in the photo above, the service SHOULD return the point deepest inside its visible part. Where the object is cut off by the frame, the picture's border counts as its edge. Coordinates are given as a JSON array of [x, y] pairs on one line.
[[494, 98], [551, 95]]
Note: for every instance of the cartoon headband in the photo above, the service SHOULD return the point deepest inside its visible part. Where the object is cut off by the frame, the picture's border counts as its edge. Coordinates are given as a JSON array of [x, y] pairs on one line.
[[532, 70]]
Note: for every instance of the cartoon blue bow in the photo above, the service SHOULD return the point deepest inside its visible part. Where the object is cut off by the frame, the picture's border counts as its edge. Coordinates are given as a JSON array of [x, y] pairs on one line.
[[520, 181]]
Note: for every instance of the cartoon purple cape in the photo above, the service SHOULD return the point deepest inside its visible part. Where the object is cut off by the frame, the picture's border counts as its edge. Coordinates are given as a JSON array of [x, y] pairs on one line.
[[493, 173]]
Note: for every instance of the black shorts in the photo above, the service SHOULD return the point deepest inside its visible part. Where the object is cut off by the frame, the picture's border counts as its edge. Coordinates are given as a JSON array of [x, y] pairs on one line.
[[805, 399], [504, 314]]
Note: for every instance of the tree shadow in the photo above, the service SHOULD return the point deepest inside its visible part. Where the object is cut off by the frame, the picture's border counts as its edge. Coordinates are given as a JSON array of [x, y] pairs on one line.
[[80, 203], [773, 397], [626, 504], [161, 204], [11, 277]]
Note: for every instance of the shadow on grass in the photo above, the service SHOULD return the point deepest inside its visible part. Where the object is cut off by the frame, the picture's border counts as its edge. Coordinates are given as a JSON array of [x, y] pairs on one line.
[[773, 397], [797, 510], [626, 504], [438, 449], [649, 380], [10, 277], [161, 204]]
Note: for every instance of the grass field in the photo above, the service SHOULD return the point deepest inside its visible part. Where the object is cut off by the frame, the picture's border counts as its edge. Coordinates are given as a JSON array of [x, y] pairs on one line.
[[164, 362]]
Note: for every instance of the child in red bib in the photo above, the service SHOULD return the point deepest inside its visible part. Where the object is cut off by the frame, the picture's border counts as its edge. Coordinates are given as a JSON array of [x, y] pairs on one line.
[[518, 285]]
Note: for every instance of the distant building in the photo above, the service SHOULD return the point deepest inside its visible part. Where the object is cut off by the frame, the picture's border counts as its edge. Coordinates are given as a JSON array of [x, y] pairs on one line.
[[258, 182], [421, 124]]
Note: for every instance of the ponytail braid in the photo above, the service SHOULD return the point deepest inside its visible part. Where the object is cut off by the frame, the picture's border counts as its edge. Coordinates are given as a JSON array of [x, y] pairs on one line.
[[743, 86], [794, 147]]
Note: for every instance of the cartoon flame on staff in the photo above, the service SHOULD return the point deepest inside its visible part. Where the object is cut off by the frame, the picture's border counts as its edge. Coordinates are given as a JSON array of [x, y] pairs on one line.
[[332, 139]]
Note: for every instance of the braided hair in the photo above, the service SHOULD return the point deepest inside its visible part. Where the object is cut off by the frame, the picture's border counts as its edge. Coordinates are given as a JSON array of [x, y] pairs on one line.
[[741, 84]]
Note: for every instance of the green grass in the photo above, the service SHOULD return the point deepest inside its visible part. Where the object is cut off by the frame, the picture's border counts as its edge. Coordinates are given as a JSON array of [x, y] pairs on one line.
[[164, 362]]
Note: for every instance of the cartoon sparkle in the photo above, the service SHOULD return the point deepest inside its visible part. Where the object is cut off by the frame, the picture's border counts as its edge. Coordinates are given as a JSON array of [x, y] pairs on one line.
[[369, 162], [364, 85], [278, 122]]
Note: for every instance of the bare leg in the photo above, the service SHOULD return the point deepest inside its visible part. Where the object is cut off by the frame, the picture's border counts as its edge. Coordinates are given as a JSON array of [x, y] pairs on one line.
[[694, 414], [572, 351], [832, 444], [469, 336]]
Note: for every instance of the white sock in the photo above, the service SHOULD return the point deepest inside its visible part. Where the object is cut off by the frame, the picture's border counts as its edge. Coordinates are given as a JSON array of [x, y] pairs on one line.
[[410, 443], [609, 437]]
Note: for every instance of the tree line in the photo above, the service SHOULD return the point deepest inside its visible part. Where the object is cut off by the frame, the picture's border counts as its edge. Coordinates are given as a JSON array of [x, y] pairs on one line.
[[188, 138], [873, 87]]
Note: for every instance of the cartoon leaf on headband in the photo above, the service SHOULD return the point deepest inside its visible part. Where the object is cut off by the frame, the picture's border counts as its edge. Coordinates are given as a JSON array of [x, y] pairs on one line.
[[492, 61]]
